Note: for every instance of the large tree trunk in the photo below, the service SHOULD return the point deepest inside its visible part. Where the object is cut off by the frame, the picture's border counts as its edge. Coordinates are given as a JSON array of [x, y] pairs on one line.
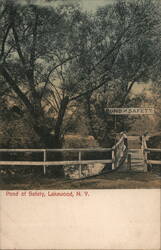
[[51, 142], [54, 141], [38, 120]]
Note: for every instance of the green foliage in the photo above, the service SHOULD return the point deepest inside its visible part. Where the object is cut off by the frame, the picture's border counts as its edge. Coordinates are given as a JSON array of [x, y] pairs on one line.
[[54, 57], [15, 132]]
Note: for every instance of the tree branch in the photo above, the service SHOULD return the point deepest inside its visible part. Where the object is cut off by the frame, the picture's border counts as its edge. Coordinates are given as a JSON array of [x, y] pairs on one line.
[[4, 40], [18, 47], [16, 89], [51, 104], [34, 42], [93, 89]]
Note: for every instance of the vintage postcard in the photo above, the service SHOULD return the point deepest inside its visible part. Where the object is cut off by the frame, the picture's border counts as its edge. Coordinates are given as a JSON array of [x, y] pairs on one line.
[[80, 124]]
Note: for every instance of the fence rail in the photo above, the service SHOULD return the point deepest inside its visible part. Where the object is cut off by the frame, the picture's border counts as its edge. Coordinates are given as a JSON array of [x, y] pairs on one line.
[[52, 163], [59, 150], [154, 162], [148, 150]]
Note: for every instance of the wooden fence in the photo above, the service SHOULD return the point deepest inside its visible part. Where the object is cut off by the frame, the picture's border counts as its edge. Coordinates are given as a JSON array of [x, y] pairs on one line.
[[146, 152], [153, 162], [118, 154]]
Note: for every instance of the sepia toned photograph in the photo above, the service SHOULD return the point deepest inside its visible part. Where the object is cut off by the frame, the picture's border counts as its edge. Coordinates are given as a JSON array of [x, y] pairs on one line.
[[80, 94], [80, 124]]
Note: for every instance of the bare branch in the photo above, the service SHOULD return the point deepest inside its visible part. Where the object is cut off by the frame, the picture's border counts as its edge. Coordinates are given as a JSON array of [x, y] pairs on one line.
[[57, 92], [3, 12], [16, 89], [4, 40], [34, 42], [18, 46], [49, 102], [92, 89]]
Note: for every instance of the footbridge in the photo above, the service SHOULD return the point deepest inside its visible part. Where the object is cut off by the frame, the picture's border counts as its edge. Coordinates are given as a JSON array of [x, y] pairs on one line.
[[130, 153]]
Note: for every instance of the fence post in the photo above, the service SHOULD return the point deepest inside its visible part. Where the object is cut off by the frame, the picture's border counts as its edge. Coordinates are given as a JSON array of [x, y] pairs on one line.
[[129, 161], [145, 155], [80, 166], [90, 169], [145, 161], [44, 167], [113, 158]]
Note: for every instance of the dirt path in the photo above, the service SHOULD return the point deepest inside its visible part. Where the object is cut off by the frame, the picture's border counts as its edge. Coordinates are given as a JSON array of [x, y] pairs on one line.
[[114, 180]]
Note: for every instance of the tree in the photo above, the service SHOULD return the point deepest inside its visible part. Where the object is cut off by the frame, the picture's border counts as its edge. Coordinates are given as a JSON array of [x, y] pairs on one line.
[[52, 58], [136, 27], [31, 61]]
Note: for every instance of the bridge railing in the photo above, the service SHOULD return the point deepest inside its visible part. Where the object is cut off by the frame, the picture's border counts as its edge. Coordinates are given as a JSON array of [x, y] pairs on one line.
[[119, 152], [150, 150], [145, 154]]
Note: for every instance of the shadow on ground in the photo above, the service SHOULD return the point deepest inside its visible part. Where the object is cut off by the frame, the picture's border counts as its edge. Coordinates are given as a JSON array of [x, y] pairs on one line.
[[113, 180]]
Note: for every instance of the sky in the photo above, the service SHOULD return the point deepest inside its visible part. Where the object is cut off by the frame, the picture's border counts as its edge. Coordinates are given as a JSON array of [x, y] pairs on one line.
[[87, 5], [92, 5]]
